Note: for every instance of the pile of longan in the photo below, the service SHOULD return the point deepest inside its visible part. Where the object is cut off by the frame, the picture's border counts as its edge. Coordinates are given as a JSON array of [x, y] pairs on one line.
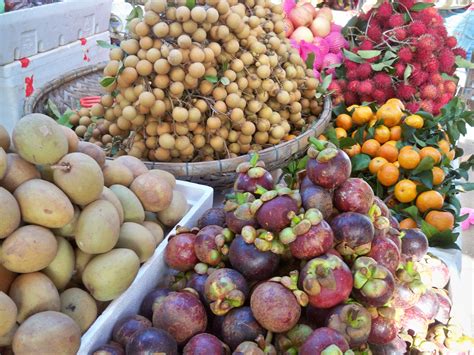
[[215, 81]]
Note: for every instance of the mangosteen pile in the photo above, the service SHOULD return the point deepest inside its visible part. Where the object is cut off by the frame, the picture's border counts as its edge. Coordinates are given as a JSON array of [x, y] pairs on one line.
[[323, 269]]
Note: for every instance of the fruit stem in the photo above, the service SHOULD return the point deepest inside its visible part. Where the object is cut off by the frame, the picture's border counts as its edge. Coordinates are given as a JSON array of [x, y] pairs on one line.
[[319, 145], [66, 167], [254, 159], [260, 190]]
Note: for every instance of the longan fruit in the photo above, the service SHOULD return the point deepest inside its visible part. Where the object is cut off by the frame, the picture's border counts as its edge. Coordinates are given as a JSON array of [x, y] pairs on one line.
[[215, 47], [146, 99], [230, 74], [85, 121], [129, 113], [244, 139], [115, 131], [205, 87], [179, 114], [182, 142], [277, 132], [130, 46], [141, 54], [158, 109], [107, 100], [196, 70], [158, 5], [199, 141], [161, 29], [201, 105], [162, 154], [217, 143], [177, 74], [275, 118], [199, 35], [198, 14], [97, 110], [175, 57], [151, 18], [197, 55], [116, 54], [236, 115], [123, 123], [129, 75], [190, 27], [220, 106], [222, 32], [232, 88], [222, 7], [144, 68], [190, 82], [247, 128], [161, 66], [81, 130], [232, 46], [283, 97], [176, 29], [181, 128], [152, 55], [183, 14], [263, 71], [131, 61], [166, 141], [184, 41], [138, 120], [194, 115], [74, 119], [171, 13], [112, 68], [232, 100], [212, 15], [177, 89]]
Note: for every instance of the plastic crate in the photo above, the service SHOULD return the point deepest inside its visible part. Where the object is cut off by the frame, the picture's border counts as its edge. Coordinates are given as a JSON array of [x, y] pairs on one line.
[[35, 30], [20, 78], [199, 197]]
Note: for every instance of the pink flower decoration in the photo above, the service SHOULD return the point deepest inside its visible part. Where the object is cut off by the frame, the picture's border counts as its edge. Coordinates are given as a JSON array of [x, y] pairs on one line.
[[469, 220], [288, 5], [306, 48]]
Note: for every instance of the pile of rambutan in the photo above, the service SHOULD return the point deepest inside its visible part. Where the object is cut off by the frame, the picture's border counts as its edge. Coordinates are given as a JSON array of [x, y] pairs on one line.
[[400, 49]]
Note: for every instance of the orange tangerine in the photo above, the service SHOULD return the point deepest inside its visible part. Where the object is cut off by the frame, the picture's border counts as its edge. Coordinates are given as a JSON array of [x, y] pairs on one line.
[[438, 175], [395, 102], [370, 147], [340, 132], [376, 163], [430, 152], [405, 191], [352, 107], [429, 200], [344, 121], [396, 133], [414, 121], [390, 114], [444, 146], [388, 174], [354, 150], [440, 220], [389, 152], [408, 158], [362, 115], [382, 134], [394, 143], [408, 223], [451, 154], [322, 137]]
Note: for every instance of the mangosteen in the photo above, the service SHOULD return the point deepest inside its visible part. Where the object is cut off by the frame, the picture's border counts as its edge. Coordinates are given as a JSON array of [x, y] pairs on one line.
[[353, 234], [306, 182], [251, 175], [181, 314], [252, 263], [209, 244], [396, 347], [125, 328], [414, 244], [317, 317], [384, 211], [179, 252], [289, 342], [354, 195], [394, 223], [351, 320], [408, 286], [314, 196], [373, 282], [197, 281], [439, 270], [240, 325], [152, 300], [275, 306], [276, 208], [385, 325], [450, 339], [205, 344], [152, 341], [111, 348], [324, 341], [213, 216], [414, 323], [327, 281], [329, 167], [428, 305], [262, 239], [394, 235], [385, 252], [238, 212], [225, 289], [444, 310]]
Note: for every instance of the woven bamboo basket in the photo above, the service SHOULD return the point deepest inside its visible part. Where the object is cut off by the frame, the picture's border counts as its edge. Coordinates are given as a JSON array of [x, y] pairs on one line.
[[66, 91]]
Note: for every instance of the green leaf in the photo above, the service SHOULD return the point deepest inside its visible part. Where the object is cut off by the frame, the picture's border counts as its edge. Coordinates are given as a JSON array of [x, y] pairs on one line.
[[463, 63], [64, 119], [326, 81], [382, 65], [360, 162], [53, 109], [352, 56], [428, 229], [190, 4], [339, 109], [107, 81], [225, 81], [425, 164], [466, 186], [413, 212], [211, 78], [225, 66], [105, 44], [302, 163], [421, 6], [368, 54], [346, 142], [406, 17], [331, 134], [359, 136], [407, 72], [310, 61], [389, 55]]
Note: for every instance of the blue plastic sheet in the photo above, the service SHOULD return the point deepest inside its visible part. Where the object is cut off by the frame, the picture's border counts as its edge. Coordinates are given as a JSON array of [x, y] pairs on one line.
[[460, 24]]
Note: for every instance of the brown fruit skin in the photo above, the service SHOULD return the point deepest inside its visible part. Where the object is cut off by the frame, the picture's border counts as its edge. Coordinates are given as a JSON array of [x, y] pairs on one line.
[[8, 313], [154, 193], [3, 163], [47, 333], [30, 248], [136, 166], [43, 203], [175, 211], [18, 171], [4, 138], [9, 212], [275, 307], [6, 279], [93, 151], [72, 139], [116, 173]]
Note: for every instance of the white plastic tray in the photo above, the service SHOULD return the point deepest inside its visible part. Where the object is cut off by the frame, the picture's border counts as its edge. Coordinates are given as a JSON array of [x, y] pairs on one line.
[[199, 197], [39, 29]]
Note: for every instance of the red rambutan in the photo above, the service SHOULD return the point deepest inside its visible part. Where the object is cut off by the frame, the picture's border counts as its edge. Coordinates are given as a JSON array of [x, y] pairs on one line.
[[445, 98], [400, 34], [396, 20], [399, 69], [353, 85], [405, 54], [417, 28], [342, 84], [366, 45], [450, 86], [427, 42], [366, 98], [351, 75], [436, 79], [405, 91], [374, 33], [334, 86], [350, 65], [366, 87], [418, 77], [431, 65], [422, 55], [364, 71], [440, 87], [451, 42], [379, 96], [446, 60], [407, 4], [437, 108], [382, 80], [350, 98], [429, 92], [412, 107], [426, 105], [459, 51], [442, 31], [384, 11]]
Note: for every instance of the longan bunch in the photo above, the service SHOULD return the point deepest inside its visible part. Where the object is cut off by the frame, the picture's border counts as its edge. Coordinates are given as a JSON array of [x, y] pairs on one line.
[[215, 81]]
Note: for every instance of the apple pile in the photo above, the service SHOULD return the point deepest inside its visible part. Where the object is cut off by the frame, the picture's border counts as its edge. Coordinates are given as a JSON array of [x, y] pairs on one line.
[[311, 30], [322, 269]]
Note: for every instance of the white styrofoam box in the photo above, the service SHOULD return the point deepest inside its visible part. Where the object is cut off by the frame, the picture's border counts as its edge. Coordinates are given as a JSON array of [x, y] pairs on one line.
[[199, 197], [15, 79], [39, 29]]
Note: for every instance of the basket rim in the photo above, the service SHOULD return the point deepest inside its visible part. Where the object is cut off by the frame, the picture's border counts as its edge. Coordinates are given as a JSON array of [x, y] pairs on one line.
[[268, 155]]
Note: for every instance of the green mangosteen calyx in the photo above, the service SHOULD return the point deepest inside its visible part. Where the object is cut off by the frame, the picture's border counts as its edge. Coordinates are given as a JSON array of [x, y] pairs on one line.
[[300, 225], [291, 283]]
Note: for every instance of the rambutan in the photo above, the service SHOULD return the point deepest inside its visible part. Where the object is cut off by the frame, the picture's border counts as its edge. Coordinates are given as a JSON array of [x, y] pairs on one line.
[[422, 55], [351, 75], [405, 54], [399, 69], [353, 85], [366, 45], [442, 31], [342, 84], [405, 91], [451, 42], [426, 105], [459, 51], [382, 80], [379, 96], [445, 98], [396, 20], [450, 86], [440, 87], [366, 87], [366, 98], [417, 28], [350, 98], [400, 34], [431, 65], [436, 79], [427, 42], [446, 60], [374, 33], [350, 65], [437, 108], [429, 92], [384, 11], [418, 77], [334, 86], [406, 4], [364, 71], [412, 107]]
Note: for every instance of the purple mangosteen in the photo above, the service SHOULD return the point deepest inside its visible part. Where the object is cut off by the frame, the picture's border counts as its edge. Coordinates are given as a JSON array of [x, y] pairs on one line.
[[329, 168], [414, 244], [205, 344], [238, 213], [289, 342], [179, 252], [385, 325], [445, 305], [314, 196], [213, 216], [396, 347], [352, 320], [324, 341], [125, 328], [240, 325], [252, 175], [354, 195], [276, 208], [152, 301], [385, 252], [152, 341], [208, 244]]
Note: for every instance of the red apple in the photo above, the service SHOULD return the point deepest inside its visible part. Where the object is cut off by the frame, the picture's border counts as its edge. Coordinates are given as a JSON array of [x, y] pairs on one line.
[[300, 16]]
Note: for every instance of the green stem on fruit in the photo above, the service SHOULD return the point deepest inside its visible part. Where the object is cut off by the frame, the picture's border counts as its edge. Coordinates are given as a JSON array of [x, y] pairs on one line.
[[260, 190], [332, 350], [254, 159], [319, 145]]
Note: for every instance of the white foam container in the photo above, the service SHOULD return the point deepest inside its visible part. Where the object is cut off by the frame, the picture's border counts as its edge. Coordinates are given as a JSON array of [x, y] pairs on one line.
[[42, 68], [199, 197], [39, 29]]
